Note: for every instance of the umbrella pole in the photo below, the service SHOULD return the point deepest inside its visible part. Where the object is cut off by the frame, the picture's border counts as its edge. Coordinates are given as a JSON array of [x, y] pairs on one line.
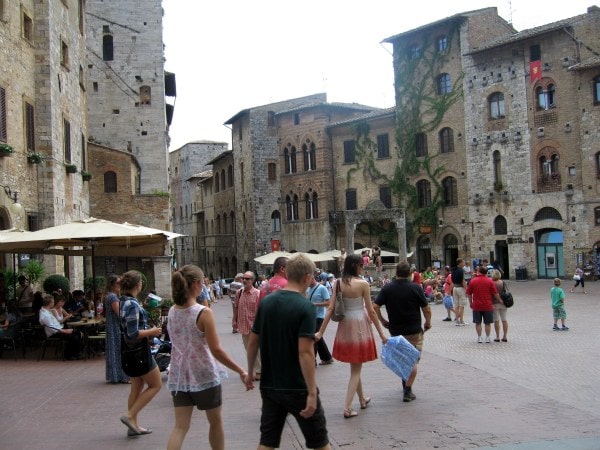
[[14, 280], [93, 271]]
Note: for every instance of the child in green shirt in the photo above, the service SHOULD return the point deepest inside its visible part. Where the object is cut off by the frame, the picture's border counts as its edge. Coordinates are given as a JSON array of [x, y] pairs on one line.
[[557, 295]]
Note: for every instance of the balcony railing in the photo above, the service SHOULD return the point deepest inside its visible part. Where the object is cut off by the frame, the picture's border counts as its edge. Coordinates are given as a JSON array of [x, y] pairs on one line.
[[549, 183]]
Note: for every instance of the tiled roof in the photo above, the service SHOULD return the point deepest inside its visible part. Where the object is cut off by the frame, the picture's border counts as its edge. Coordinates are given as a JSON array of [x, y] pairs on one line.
[[371, 115]]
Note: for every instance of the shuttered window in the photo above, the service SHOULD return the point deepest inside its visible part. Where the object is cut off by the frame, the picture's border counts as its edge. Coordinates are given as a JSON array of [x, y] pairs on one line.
[[29, 127], [3, 116]]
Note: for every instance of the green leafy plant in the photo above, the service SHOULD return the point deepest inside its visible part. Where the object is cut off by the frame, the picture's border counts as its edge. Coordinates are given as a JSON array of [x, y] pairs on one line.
[[88, 283], [87, 176], [6, 149], [34, 270], [71, 168], [498, 186], [55, 282], [34, 158]]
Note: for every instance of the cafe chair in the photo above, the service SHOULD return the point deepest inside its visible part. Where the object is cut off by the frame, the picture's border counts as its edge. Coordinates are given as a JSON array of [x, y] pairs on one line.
[[8, 342], [55, 340]]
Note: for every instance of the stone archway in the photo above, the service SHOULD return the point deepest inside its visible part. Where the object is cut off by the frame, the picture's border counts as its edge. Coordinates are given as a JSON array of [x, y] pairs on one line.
[[375, 211]]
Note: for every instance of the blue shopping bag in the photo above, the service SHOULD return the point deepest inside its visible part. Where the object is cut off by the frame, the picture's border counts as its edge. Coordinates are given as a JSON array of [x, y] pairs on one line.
[[448, 302], [400, 356]]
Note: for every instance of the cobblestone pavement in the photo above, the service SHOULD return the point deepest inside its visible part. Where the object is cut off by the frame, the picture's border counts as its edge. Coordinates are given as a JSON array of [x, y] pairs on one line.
[[537, 391]]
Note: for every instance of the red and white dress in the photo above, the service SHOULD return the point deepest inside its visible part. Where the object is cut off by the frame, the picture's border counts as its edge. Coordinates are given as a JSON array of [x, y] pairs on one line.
[[354, 342]]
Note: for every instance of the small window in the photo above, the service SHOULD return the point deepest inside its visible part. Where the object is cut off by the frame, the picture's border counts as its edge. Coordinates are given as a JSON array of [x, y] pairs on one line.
[[496, 103], [597, 90], [351, 199], [500, 225], [275, 222], [81, 78], [446, 140], [497, 166], [230, 176], [413, 52], [597, 158], [145, 95], [296, 119], [385, 195], [270, 119], [421, 144], [83, 149], [3, 116], [535, 53], [349, 152], [444, 84], [442, 44], [450, 191], [64, 54], [107, 47], [67, 140], [383, 146], [29, 127], [423, 193], [272, 171], [81, 14], [110, 183], [27, 27], [597, 215]]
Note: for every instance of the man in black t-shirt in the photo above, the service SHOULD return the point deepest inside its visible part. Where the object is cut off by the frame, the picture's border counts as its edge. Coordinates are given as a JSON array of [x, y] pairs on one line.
[[458, 292], [404, 301]]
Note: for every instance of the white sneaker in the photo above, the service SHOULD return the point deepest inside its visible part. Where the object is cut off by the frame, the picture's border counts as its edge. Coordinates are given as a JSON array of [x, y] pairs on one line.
[[480, 340], [488, 340]]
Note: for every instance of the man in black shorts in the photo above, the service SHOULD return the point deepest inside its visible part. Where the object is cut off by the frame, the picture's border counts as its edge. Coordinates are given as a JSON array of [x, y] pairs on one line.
[[284, 329], [404, 301]]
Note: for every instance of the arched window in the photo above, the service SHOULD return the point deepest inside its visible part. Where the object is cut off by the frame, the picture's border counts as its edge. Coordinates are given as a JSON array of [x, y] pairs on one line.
[[218, 220], [217, 182], [547, 213], [311, 206], [446, 140], [289, 155], [423, 193], [230, 175], [546, 97], [275, 222], [232, 220], [421, 144], [110, 182], [549, 166], [224, 223], [497, 162], [496, 104], [107, 47], [310, 157], [500, 226], [444, 84], [450, 191], [223, 186]]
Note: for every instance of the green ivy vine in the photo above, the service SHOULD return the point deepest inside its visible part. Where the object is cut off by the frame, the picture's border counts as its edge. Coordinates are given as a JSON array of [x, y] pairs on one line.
[[419, 109]]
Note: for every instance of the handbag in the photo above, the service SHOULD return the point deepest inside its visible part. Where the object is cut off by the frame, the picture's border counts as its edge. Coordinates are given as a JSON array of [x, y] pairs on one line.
[[576, 277], [136, 358], [339, 311], [506, 296]]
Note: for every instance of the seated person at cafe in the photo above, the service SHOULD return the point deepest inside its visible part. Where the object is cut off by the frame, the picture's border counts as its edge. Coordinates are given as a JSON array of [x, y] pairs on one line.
[[72, 337], [59, 311], [76, 304]]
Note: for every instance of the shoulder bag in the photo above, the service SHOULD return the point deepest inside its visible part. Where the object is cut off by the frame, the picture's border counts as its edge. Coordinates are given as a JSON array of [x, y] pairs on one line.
[[136, 357], [339, 311], [506, 296]]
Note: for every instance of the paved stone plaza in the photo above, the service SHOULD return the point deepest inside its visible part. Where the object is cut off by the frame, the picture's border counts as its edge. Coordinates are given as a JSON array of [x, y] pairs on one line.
[[538, 391]]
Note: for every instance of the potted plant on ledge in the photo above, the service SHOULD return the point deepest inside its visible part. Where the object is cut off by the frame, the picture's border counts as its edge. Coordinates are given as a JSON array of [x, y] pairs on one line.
[[87, 176], [6, 150], [34, 158], [71, 168]]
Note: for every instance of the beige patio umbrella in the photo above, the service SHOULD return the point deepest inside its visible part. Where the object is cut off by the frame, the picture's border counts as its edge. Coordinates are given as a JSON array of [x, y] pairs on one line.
[[383, 252], [269, 258]]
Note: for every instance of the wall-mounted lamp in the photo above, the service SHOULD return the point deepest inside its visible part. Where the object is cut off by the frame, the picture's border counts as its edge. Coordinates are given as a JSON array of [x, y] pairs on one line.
[[16, 208]]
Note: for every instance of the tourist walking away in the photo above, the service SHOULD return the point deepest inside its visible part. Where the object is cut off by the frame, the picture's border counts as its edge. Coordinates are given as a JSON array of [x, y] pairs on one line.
[[499, 308], [136, 334], [279, 278], [284, 331], [354, 342], [459, 291], [245, 306], [319, 297], [233, 288], [404, 303], [579, 278], [480, 292], [195, 375], [114, 370], [557, 295]]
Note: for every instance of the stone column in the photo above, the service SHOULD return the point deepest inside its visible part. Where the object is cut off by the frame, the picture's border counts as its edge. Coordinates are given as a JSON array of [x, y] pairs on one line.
[[400, 226], [162, 276]]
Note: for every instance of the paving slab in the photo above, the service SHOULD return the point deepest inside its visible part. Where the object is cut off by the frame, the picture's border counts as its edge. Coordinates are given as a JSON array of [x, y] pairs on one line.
[[537, 391]]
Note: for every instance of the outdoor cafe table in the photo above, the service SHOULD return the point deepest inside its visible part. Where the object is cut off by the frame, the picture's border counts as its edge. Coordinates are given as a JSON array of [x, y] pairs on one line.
[[86, 325]]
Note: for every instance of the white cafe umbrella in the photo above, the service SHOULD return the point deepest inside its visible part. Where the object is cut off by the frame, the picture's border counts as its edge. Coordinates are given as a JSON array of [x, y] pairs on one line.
[[269, 258]]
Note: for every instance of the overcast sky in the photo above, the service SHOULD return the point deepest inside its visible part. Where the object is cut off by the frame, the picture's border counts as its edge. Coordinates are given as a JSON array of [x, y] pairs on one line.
[[236, 54]]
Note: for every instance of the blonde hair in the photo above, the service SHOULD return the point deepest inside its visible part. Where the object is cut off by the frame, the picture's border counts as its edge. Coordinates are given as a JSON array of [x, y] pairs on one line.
[[298, 266], [496, 275]]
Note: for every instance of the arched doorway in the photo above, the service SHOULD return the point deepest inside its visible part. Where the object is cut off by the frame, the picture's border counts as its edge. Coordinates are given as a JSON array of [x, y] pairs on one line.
[[423, 253], [450, 250], [549, 249]]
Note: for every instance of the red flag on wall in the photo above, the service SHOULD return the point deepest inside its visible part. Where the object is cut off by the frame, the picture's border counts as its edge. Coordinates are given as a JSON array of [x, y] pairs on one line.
[[535, 71], [275, 245]]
